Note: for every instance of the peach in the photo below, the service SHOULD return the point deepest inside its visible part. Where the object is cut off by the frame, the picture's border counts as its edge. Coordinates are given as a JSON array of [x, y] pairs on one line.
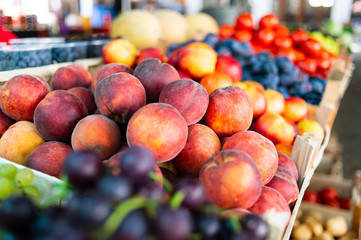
[[256, 93], [96, 133], [49, 158], [19, 141], [160, 128], [309, 126], [188, 97], [86, 96], [57, 114], [259, 148], [21, 94], [285, 184], [175, 57], [120, 51], [114, 165], [286, 162], [119, 96], [155, 75], [230, 66], [69, 77], [214, 81], [271, 199], [296, 109], [151, 53], [275, 101], [202, 143], [183, 75], [231, 179], [197, 60], [274, 127], [5, 123], [229, 111], [107, 70], [284, 148]]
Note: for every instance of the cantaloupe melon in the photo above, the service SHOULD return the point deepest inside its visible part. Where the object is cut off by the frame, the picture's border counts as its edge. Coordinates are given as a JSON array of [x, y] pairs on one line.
[[199, 25], [174, 26], [139, 26]]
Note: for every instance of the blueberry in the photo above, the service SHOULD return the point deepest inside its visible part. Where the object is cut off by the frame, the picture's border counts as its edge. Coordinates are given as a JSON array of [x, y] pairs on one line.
[[246, 74], [269, 67], [257, 67], [313, 98], [247, 48], [318, 85], [287, 79], [211, 39], [264, 56], [284, 91], [284, 64], [224, 51], [301, 88], [172, 47]]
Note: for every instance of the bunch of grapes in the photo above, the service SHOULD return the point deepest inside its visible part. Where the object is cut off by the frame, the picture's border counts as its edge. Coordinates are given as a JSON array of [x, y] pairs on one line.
[[17, 182], [132, 204]]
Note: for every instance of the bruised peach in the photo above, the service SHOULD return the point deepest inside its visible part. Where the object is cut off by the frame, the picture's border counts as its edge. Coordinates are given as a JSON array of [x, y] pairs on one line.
[[21, 94], [202, 143], [188, 97]]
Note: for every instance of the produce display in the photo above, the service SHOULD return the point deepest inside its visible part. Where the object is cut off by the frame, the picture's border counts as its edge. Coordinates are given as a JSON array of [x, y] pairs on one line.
[[329, 197], [313, 225]]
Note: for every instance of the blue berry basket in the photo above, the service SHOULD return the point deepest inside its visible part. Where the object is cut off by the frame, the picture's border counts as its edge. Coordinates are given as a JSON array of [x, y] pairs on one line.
[[31, 41], [95, 47], [24, 56], [69, 52]]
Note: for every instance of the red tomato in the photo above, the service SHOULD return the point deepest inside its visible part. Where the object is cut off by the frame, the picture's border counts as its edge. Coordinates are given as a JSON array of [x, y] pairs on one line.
[[298, 36], [244, 22], [345, 203], [310, 197], [312, 47], [281, 31], [283, 42], [269, 21], [309, 65], [327, 195], [257, 47], [323, 63], [265, 36], [288, 52], [242, 36], [299, 55], [226, 31], [334, 203]]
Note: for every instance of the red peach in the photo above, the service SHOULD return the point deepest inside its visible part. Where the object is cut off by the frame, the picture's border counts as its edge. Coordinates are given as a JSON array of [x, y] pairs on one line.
[[107, 70], [49, 158], [231, 179], [256, 93], [151, 53], [119, 96], [259, 148], [285, 184], [202, 143], [5, 123], [239, 212], [183, 75], [160, 128], [287, 163], [175, 57], [86, 96], [69, 77], [275, 101], [96, 133], [57, 114], [296, 109], [155, 75], [21, 94], [188, 97], [271, 199], [274, 127], [230, 66], [229, 111]]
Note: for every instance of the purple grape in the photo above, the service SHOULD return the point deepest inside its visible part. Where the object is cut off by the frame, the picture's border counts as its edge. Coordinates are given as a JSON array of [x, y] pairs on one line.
[[194, 192], [255, 226], [137, 163], [133, 227], [208, 226], [115, 188], [17, 214], [173, 224], [169, 175], [83, 169], [151, 190]]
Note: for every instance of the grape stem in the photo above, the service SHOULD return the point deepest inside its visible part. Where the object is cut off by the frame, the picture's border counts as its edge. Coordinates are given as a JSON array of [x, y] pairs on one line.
[[118, 215], [176, 200], [235, 223], [166, 183]]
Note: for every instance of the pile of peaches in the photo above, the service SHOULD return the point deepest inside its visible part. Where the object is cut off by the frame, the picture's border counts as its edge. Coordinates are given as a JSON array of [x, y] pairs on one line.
[[226, 137]]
